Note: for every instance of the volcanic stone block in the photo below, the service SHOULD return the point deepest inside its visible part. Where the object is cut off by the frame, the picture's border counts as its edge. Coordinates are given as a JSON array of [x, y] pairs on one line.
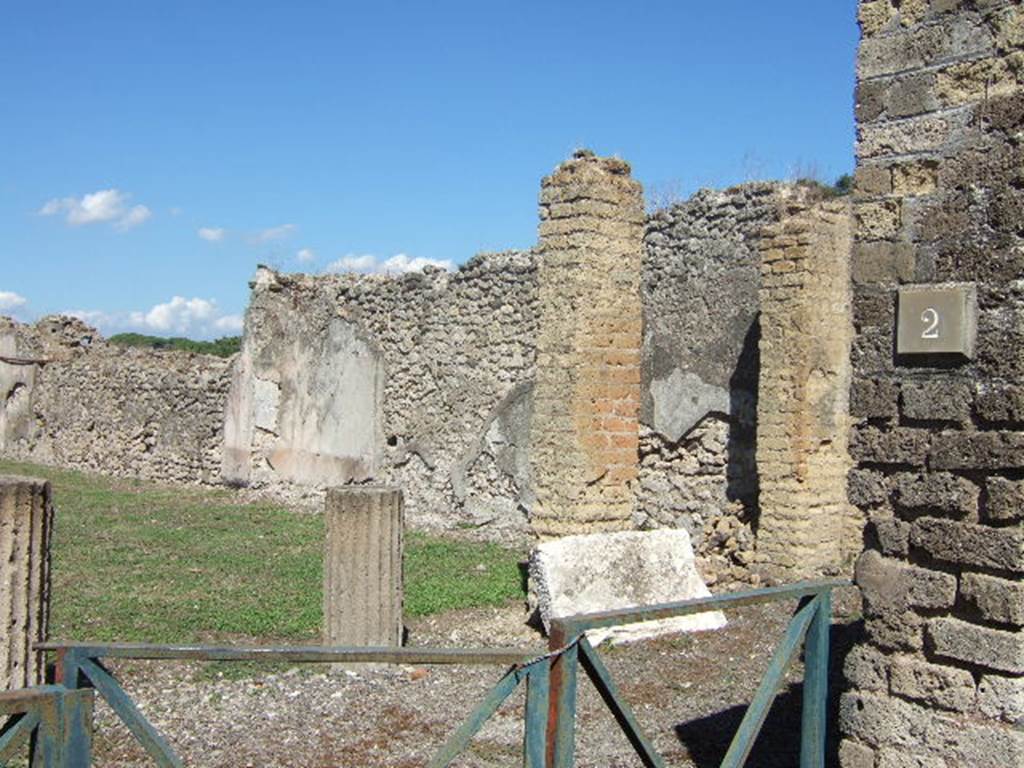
[[998, 600], [1005, 499], [890, 723], [1002, 698], [970, 544], [939, 686], [26, 518], [992, 648], [605, 571], [363, 567]]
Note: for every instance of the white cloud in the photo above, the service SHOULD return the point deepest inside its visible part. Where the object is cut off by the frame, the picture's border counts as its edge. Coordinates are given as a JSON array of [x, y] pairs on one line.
[[305, 255], [193, 318], [212, 234], [397, 264], [11, 302], [97, 207], [137, 215], [229, 324], [353, 263], [402, 263], [273, 233]]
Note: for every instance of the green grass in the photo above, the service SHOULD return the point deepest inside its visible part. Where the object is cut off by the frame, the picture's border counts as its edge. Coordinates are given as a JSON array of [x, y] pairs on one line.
[[136, 561]]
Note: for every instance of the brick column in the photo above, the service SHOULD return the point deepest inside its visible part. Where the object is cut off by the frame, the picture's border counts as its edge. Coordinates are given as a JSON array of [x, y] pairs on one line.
[[363, 566], [805, 524], [26, 515], [938, 442], [584, 429]]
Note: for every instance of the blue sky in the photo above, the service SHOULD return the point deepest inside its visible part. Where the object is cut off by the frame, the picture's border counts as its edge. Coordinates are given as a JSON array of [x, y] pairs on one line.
[[151, 154]]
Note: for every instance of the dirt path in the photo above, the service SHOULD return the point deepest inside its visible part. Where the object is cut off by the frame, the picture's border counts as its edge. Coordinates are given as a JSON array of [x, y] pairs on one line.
[[688, 691]]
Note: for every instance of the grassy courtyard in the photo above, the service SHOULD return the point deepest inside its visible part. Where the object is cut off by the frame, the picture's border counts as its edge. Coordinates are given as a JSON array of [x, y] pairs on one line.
[[138, 561]]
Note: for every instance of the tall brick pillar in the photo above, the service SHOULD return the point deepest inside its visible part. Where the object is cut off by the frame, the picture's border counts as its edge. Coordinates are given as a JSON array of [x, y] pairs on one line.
[[806, 527], [26, 514], [938, 441], [584, 430]]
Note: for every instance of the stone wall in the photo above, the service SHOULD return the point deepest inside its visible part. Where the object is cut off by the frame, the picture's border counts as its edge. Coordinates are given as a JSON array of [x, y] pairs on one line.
[[426, 381], [420, 381], [939, 440], [69, 398], [806, 527], [701, 278]]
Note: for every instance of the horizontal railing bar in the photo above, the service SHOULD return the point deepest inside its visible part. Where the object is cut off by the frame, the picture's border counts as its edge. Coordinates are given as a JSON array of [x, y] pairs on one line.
[[298, 654], [23, 699], [581, 622]]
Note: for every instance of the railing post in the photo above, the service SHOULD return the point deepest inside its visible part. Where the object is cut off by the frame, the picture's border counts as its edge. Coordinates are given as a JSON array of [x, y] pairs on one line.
[[815, 698], [76, 728], [561, 698]]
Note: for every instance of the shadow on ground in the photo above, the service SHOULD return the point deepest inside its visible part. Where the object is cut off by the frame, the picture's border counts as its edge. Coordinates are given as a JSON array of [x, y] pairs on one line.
[[707, 739]]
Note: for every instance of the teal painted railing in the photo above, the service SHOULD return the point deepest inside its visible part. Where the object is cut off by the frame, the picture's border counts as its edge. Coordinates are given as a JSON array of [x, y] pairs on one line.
[[57, 719]]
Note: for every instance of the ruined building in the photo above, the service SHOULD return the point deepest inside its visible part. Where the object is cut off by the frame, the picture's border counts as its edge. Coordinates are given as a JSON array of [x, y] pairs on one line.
[[607, 379]]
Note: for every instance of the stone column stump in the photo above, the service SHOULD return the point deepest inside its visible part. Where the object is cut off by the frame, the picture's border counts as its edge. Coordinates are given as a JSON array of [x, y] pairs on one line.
[[363, 566], [26, 517]]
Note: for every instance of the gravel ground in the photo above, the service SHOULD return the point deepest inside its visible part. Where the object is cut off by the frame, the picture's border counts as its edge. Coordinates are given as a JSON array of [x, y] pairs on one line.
[[688, 692]]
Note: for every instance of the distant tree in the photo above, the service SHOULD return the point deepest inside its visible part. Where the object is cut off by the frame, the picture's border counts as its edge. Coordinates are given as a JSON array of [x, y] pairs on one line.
[[843, 185], [225, 346]]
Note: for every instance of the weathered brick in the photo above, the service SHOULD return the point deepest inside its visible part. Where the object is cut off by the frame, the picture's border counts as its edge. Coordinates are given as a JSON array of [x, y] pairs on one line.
[[1000, 403], [891, 590], [900, 445], [992, 648], [877, 220], [970, 544], [875, 398], [1005, 499], [938, 493], [932, 684], [917, 177], [867, 669], [853, 754], [871, 180], [899, 758], [937, 399], [1002, 698], [875, 15], [882, 262], [911, 95], [889, 723], [996, 599], [893, 536], [866, 487], [977, 450], [919, 47]]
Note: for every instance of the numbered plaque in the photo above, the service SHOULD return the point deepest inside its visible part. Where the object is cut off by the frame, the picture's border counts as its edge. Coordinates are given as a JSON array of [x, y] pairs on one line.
[[937, 319]]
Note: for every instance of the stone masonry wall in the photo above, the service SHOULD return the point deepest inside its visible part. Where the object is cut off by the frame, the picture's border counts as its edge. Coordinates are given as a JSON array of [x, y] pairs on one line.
[[939, 440], [69, 398], [425, 381], [805, 527], [586, 400], [445, 412], [701, 277]]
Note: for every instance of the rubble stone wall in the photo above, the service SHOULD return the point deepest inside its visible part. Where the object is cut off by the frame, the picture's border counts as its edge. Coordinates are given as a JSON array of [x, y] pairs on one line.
[[426, 381], [938, 442], [71, 399]]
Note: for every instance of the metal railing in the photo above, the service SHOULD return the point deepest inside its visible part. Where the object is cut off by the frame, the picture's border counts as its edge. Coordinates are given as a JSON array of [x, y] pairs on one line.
[[59, 717]]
